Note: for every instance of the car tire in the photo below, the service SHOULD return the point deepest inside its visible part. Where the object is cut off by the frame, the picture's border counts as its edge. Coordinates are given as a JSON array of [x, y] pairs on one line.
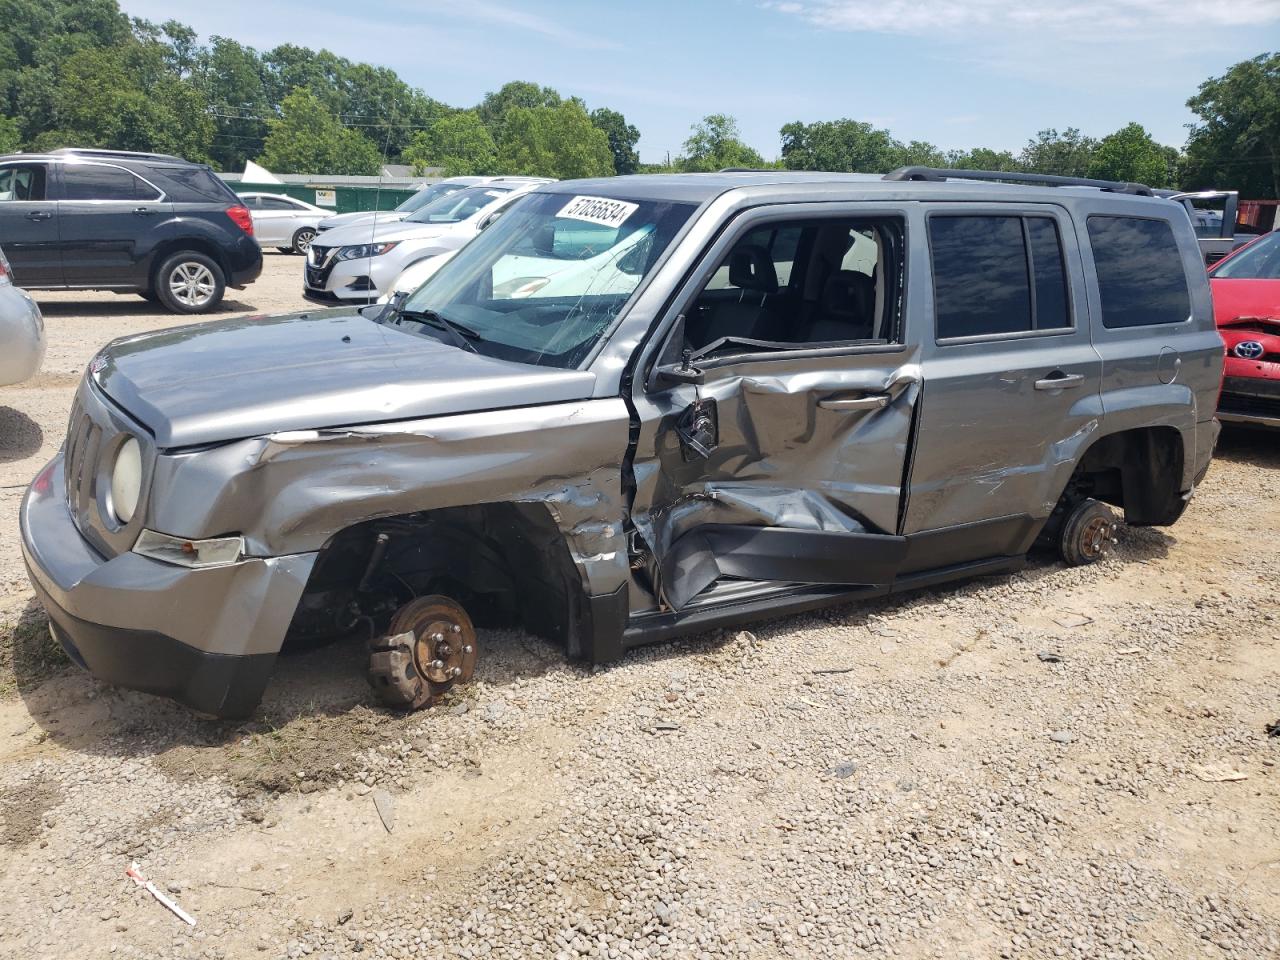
[[1088, 533], [302, 238], [189, 282]]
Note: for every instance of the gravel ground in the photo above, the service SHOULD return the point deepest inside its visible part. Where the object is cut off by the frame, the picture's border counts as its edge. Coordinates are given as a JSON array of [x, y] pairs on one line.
[[1061, 763]]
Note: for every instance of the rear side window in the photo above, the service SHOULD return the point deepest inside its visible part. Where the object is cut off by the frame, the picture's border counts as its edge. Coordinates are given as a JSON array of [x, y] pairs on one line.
[[93, 181], [1049, 272], [189, 183], [1140, 277], [997, 274], [278, 203], [22, 184]]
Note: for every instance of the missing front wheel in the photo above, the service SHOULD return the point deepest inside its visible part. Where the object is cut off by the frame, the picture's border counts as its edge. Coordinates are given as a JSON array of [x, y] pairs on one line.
[[429, 646]]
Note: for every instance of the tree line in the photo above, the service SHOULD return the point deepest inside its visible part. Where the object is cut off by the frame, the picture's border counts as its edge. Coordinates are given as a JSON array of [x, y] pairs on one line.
[[83, 73]]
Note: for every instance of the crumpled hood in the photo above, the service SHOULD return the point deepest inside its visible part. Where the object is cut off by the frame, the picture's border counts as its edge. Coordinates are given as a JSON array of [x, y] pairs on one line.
[[249, 376], [359, 233]]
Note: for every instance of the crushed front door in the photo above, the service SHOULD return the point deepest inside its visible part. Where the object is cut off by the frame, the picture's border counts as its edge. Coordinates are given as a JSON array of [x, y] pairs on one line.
[[785, 462]]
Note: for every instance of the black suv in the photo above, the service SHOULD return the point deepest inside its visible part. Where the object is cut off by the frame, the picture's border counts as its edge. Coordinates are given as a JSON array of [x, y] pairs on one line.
[[144, 223]]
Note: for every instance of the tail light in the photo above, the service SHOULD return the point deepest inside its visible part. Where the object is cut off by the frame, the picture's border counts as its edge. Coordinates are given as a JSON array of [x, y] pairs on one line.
[[243, 220]]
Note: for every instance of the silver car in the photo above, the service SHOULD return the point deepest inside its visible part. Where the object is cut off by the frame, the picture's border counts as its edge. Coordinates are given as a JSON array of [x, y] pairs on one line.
[[22, 340], [286, 223], [630, 409]]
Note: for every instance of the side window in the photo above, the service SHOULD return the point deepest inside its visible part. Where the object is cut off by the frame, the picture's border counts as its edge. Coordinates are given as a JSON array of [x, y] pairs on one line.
[[780, 242], [996, 275], [189, 183], [1052, 310], [94, 181], [277, 203], [803, 282], [1140, 276], [22, 183]]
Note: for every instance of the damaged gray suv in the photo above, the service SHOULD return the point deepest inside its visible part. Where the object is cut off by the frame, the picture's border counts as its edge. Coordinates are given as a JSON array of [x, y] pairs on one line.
[[631, 409]]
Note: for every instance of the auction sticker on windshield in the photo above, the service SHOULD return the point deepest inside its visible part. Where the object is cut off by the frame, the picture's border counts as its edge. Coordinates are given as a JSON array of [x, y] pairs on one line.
[[601, 210]]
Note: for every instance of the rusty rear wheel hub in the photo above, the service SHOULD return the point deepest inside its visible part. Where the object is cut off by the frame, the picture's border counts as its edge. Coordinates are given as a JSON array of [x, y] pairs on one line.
[[1097, 538], [430, 645]]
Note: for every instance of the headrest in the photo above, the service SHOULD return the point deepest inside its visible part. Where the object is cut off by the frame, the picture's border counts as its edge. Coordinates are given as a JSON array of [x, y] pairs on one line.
[[848, 291], [751, 268]]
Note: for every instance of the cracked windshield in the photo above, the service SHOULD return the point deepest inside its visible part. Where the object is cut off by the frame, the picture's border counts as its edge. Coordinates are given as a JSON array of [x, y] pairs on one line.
[[547, 279]]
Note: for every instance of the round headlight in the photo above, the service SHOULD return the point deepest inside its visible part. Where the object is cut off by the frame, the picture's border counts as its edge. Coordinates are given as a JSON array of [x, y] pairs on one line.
[[126, 480]]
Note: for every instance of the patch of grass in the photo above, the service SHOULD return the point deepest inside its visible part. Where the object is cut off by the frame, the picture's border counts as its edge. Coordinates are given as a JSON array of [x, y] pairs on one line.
[[267, 757], [28, 654]]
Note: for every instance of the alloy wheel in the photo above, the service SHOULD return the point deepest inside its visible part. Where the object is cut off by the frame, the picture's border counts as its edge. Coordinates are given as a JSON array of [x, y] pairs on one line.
[[192, 284]]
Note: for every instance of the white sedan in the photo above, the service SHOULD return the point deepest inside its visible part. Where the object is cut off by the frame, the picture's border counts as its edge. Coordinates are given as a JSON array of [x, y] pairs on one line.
[[286, 223]]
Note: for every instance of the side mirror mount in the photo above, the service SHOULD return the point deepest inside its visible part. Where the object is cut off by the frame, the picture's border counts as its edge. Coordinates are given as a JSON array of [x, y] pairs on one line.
[[668, 369], [682, 372], [679, 373]]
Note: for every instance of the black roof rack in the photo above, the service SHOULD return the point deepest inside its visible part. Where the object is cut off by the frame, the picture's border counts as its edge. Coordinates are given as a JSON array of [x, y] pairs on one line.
[[112, 154], [747, 170], [1001, 176]]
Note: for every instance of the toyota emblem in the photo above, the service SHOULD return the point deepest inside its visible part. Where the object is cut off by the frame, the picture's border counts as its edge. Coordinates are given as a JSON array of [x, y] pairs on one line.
[[1249, 350]]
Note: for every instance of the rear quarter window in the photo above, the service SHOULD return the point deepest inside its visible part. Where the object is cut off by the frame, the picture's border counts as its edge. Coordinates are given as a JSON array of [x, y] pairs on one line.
[[1140, 276], [193, 184]]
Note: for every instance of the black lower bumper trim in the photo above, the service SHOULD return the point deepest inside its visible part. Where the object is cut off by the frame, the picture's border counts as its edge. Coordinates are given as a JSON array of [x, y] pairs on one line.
[[229, 687], [327, 299]]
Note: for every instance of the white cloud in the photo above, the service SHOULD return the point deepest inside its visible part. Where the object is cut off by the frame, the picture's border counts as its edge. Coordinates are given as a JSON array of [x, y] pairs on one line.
[[501, 16], [1096, 17]]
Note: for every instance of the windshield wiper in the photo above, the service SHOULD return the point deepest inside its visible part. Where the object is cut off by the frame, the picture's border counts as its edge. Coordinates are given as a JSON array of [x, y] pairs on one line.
[[460, 335]]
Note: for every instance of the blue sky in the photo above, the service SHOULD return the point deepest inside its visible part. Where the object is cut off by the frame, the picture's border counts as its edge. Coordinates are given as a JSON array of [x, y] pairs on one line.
[[958, 73]]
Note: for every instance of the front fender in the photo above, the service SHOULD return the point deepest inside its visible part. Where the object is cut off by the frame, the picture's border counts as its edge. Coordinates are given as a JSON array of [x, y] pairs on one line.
[[289, 493]]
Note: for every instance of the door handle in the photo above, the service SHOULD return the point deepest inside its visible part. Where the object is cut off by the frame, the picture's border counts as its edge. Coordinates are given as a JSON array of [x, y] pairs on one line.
[[870, 401], [143, 211], [39, 215], [1060, 381]]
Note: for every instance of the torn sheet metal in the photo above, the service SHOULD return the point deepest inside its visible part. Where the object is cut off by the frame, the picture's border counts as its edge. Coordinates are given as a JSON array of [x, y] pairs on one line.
[[306, 486], [712, 551], [782, 460]]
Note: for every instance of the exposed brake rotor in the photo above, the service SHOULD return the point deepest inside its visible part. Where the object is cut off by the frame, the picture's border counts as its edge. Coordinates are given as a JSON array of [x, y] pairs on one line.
[[430, 645], [1098, 537]]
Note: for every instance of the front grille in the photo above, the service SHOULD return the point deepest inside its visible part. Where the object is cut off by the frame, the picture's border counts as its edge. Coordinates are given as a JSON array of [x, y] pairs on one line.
[[84, 437], [1251, 387], [320, 263], [1250, 397], [1249, 406], [94, 432]]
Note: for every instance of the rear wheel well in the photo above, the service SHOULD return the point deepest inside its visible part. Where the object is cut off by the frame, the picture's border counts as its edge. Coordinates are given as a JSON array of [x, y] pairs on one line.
[[507, 564], [1139, 471], [194, 244]]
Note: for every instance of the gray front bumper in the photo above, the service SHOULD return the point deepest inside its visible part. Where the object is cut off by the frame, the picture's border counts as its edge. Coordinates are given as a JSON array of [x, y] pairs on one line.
[[204, 637]]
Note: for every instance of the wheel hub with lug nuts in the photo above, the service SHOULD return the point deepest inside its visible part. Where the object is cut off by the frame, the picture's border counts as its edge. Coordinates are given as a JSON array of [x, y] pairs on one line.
[[1098, 537], [430, 646]]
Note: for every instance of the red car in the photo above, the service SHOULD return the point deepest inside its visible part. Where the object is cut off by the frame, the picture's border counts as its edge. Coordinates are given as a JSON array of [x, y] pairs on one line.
[[1246, 304]]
